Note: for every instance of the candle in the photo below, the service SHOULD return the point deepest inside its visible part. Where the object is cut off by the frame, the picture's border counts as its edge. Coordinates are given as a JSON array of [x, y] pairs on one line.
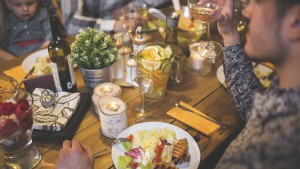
[[105, 90], [201, 60], [113, 116]]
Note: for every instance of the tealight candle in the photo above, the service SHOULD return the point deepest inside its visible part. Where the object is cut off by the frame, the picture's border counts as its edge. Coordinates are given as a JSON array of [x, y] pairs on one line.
[[105, 90], [200, 61], [113, 116]]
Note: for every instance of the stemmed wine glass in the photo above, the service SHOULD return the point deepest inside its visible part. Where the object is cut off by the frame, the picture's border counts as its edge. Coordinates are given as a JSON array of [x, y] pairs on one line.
[[142, 83], [204, 11]]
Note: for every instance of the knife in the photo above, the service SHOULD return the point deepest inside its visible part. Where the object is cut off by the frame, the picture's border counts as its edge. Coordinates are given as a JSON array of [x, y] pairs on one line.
[[205, 117], [28, 74]]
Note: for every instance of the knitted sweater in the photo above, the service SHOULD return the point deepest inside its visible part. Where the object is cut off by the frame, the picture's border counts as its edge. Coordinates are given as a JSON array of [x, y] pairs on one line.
[[271, 135]]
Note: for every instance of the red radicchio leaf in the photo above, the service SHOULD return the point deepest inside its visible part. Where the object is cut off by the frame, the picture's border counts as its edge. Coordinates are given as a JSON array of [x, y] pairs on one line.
[[134, 153], [7, 108], [8, 127]]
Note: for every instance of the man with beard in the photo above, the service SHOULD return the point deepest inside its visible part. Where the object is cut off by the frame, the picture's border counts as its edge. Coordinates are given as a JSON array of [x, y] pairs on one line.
[[272, 133]]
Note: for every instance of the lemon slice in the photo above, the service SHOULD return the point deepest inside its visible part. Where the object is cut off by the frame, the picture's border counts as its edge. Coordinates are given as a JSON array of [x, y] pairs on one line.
[[151, 48], [164, 54], [151, 64], [169, 50]]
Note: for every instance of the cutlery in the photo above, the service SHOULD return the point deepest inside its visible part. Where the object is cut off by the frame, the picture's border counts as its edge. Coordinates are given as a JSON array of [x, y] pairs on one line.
[[158, 14], [205, 117], [27, 75], [19, 86], [115, 141]]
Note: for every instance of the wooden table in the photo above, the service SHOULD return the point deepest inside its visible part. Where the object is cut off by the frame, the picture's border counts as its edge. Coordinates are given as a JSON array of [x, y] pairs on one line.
[[205, 93]]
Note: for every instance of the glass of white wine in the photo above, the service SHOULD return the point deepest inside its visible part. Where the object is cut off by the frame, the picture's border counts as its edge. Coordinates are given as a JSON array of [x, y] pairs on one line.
[[142, 83], [205, 12]]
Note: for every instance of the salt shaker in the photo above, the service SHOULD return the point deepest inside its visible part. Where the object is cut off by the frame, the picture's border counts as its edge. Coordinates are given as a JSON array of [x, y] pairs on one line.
[[131, 70]]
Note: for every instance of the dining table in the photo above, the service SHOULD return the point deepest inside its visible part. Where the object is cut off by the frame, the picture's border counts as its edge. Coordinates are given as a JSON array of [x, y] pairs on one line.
[[204, 93]]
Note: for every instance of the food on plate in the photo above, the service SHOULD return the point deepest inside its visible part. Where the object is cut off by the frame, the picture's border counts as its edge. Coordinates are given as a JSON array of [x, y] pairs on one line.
[[163, 165], [263, 76], [42, 66], [179, 152], [155, 148]]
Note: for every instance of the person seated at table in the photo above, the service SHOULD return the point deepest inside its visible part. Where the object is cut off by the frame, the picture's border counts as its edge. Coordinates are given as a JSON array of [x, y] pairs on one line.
[[27, 27], [100, 14], [271, 135]]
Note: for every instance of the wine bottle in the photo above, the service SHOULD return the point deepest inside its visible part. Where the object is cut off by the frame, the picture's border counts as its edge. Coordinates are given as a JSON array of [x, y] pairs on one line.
[[61, 64]]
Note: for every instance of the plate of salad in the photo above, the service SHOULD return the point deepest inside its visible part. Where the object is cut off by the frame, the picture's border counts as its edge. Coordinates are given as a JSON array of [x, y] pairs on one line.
[[153, 144]]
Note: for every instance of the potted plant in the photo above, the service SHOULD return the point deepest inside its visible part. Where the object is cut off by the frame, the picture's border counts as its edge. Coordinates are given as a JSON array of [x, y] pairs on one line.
[[94, 51]]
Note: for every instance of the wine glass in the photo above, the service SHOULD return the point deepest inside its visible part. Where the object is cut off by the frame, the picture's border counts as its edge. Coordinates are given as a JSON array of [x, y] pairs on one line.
[[142, 83], [205, 11]]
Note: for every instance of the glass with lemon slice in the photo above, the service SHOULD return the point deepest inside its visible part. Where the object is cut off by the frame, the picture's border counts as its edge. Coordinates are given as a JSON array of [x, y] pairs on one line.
[[156, 61]]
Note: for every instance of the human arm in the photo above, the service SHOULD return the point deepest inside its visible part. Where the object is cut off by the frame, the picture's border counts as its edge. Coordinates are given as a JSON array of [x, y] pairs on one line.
[[4, 55], [75, 155], [240, 79]]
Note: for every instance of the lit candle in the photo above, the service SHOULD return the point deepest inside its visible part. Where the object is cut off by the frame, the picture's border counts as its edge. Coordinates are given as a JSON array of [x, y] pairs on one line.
[[113, 116], [105, 90], [112, 106]]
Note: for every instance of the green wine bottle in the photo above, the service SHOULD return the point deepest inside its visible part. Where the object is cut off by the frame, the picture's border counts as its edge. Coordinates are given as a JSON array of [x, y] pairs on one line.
[[61, 63]]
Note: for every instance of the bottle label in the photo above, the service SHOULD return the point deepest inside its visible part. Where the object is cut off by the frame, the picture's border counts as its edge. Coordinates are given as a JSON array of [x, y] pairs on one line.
[[56, 77], [72, 72]]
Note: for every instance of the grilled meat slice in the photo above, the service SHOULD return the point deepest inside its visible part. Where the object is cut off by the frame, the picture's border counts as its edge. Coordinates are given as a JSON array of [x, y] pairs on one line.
[[180, 151], [163, 165]]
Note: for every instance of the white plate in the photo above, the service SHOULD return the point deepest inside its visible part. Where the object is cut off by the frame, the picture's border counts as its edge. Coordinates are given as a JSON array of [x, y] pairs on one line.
[[259, 68], [194, 150], [30, 60]]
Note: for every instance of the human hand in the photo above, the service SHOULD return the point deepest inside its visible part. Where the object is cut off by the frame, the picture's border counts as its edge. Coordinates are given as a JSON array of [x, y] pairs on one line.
[[227, 26], [74, 155]]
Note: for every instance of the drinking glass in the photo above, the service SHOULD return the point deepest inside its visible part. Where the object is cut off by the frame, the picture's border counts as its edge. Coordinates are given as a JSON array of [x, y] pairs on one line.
[[205, 11], [16, 129], [142, 83]]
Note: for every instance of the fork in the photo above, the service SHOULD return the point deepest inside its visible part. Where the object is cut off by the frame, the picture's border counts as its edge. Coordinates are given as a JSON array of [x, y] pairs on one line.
[[115, 141]]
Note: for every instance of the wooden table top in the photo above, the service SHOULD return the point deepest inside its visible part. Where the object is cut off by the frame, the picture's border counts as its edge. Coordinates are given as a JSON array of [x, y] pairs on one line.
[[205, 93]]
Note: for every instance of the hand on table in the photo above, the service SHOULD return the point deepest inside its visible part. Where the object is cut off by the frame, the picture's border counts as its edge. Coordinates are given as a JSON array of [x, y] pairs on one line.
[[74, 155], [227, 26]]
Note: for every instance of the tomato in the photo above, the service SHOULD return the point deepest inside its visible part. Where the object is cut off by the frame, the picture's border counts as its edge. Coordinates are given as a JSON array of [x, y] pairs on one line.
[[130, 137], [133, 165], [158, 150]]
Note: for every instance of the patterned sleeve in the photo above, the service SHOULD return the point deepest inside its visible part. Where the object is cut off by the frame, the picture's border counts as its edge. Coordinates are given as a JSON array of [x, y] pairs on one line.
[[240, 79]]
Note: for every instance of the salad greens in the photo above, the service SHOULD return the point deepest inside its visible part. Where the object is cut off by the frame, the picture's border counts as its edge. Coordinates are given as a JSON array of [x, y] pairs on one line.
[[146, 147]]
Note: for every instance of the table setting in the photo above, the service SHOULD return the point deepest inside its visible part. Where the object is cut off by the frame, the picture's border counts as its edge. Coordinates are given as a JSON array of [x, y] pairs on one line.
[[137, 98]]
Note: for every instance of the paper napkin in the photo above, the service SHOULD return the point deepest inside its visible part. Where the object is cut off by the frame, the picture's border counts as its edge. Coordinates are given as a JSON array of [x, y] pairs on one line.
[[57, 117], [16, 72], [192, 119]]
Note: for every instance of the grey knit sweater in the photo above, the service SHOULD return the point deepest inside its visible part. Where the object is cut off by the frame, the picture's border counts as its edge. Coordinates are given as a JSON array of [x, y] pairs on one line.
[[271, 136]]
